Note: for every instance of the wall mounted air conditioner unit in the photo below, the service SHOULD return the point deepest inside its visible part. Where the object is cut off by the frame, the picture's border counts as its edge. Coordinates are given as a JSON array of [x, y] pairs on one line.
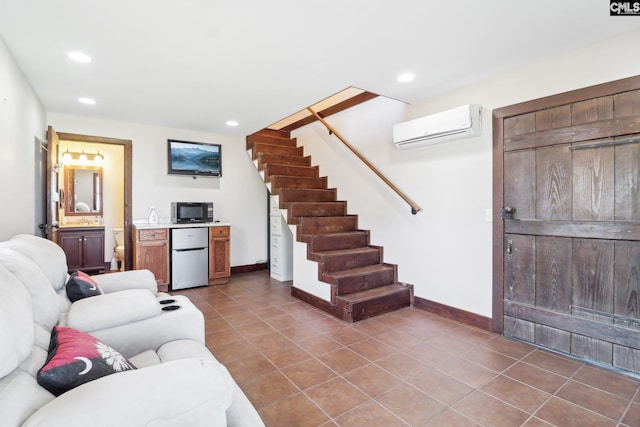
[[457, 123]]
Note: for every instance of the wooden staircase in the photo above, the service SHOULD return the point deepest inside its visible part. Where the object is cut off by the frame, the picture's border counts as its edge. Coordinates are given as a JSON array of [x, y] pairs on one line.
[[362, 284]]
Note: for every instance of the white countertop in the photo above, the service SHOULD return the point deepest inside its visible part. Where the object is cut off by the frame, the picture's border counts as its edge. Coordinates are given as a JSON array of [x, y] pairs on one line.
[[145, 225]]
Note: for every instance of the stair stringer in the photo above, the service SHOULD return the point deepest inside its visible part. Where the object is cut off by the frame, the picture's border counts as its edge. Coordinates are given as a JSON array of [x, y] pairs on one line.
[[305, 271]]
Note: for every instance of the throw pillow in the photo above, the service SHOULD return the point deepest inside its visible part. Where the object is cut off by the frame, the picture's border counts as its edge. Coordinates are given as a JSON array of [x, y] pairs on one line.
[[75, 358], [81, 285]]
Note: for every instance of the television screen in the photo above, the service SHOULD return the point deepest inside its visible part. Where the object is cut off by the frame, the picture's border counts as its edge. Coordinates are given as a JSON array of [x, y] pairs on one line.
[[194, 158]]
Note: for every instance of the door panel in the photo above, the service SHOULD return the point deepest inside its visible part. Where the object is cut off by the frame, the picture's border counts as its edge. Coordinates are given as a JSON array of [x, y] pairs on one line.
[[569, 260], [53, 195]]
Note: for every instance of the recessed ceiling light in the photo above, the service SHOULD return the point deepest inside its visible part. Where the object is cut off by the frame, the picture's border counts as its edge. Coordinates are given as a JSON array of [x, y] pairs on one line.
[[79, 57], [406, 77], [232, 123], [88, 101]]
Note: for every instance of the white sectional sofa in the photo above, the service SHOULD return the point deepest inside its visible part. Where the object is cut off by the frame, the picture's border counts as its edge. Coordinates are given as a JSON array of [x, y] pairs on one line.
[[176, 380]]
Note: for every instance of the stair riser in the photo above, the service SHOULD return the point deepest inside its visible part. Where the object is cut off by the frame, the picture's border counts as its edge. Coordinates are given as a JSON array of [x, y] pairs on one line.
[[267, 158], [297, 210], [335, 242], [327, 225], [375, 307], [298, 182], [269, 139], [333, 263], [288, 195], [260, 147], [348, 285], [286, 170]]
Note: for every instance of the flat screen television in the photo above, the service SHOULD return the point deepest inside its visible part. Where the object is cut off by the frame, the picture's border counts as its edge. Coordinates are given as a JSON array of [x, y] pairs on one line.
[[194, 158]]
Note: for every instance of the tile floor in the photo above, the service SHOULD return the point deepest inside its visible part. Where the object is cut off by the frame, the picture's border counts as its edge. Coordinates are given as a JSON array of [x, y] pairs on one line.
[[301, 367]]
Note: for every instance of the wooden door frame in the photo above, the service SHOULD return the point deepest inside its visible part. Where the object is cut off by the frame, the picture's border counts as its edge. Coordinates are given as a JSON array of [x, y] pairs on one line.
[[604, 89], [128, 172]]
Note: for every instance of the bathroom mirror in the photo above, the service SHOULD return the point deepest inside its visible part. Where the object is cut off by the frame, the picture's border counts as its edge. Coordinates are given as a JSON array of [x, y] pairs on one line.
[[83, 190]]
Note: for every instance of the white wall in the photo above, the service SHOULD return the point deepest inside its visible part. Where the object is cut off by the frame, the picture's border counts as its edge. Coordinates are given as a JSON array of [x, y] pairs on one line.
[[22, 127], [446, 250], [239, 196]]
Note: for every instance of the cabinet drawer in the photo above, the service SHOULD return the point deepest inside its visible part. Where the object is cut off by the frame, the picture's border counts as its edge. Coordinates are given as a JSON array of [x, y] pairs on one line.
[[218, 231], [153, 234]]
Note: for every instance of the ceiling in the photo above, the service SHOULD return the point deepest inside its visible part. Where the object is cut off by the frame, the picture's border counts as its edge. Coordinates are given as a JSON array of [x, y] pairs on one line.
[[195, 64]]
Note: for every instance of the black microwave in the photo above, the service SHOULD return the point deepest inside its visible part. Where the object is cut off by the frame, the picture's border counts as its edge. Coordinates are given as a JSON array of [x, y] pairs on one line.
[[191, 212]]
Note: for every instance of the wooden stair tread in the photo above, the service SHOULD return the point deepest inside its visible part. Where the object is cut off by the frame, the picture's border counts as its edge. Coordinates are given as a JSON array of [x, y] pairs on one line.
[[350, 251], [370, 294]]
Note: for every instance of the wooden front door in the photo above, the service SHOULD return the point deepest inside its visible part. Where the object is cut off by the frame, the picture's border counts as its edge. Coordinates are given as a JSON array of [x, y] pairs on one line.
[[567, 249]]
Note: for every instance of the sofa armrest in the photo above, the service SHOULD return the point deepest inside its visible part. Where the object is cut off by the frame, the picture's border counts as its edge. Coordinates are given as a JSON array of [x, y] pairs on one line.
[[110, 310], [124, 280], [188, 392]]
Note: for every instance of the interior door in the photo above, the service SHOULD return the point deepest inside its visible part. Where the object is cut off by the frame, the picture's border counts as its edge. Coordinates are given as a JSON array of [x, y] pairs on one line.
[[568, 244], [50, 227]]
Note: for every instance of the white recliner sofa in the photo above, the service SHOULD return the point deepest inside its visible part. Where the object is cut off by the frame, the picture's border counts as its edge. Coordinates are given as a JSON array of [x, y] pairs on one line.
[[178, 382]]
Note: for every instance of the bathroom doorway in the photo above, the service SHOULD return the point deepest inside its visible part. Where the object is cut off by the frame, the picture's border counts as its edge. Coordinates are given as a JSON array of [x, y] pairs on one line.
[[92, 144]]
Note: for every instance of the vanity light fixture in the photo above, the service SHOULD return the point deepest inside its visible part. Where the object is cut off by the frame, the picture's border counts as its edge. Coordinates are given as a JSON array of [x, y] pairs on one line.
[[70, 156]]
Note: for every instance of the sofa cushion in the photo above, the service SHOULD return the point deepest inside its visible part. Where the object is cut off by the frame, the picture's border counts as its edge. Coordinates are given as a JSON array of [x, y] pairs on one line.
[[81, 285], [16, 322], [76, 358], [45, 301], [45, 254]]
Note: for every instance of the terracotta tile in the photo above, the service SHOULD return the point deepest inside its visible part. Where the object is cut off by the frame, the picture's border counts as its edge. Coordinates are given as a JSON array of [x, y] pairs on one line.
[[559, 412], [466, 371], [536, 422], [267, 389], [516, 393], [489, 411], [342, 360], [294, 411], [396, 339], [372, 380], [268, 312], [336, 397], [612, 382], [410, 404], [372, 327], [254, 329], [287, 355], [372, 349], [511, 348], [394, 320], [270, 341], [402, 366], [309, 373], [239, 319], [280, 322], [319, 344], [429, 355], [234, 350], [451, 418], [214, 339], [535, 377], [632, 417], [347, 335], [326, 324], [216, 324], [370, 414], [599, 401], [249, 367], [552, 362], [299, 332], [489, 359], [441, 387]]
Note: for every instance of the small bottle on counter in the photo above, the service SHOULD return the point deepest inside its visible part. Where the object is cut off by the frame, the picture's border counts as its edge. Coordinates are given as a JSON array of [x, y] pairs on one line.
[[153, 216]]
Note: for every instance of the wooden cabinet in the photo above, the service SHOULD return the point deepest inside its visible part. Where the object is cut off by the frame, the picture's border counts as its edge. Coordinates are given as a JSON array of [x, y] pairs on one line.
[[84, 248], [219, 254], [151, 251]]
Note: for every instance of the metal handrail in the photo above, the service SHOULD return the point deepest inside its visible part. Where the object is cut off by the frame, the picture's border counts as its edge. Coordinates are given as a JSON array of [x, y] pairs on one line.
[[414, 206]]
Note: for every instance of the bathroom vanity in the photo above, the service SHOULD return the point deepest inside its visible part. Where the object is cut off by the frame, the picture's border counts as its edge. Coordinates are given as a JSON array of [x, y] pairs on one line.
[[84, 247]]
